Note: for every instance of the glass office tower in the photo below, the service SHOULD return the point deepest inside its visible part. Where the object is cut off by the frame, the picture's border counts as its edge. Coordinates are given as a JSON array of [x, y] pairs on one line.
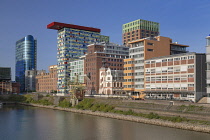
[[26, 58], [72, 43]]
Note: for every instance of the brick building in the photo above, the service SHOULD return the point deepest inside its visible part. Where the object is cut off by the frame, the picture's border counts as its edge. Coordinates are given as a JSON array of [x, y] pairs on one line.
[[47, 82], [102, 55]]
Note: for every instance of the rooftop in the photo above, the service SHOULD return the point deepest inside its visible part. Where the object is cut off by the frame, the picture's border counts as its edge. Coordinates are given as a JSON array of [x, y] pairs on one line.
[[58, 26], [175, 55]]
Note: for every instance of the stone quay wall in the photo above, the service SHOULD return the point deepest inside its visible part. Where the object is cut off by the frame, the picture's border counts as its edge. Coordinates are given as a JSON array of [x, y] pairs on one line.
[[185, 126]]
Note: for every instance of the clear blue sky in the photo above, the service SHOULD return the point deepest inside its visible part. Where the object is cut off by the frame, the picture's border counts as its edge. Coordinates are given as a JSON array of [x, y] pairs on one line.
[[185, 21]]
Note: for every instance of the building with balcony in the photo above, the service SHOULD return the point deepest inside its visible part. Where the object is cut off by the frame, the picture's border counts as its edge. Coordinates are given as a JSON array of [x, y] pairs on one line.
[[179, 77], [26, 59], [139, 29], [72, 41], [141, 50]]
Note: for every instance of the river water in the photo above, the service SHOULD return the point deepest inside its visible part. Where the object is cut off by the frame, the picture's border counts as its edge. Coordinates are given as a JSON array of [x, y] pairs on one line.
[[32, 123]]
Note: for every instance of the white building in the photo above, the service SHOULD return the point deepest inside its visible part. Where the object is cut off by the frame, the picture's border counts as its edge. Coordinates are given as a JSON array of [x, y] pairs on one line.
[[111, 81]]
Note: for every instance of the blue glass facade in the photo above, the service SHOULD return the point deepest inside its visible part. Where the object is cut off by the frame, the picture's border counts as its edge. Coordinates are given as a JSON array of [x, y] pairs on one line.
[[26, 58]]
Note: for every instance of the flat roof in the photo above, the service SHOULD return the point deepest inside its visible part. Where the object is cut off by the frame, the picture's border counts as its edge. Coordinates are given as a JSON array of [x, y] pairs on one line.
[[58, 26], [175, 55]]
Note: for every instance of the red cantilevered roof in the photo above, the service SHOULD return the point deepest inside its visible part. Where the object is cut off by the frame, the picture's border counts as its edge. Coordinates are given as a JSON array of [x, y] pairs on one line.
[[58, 26]]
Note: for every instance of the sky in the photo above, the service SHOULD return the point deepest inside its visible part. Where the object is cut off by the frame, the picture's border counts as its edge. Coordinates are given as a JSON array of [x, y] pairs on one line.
[[184, 21]]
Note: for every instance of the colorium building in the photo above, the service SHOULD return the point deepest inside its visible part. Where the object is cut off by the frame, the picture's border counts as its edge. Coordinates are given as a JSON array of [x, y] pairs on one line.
[[72, 43]]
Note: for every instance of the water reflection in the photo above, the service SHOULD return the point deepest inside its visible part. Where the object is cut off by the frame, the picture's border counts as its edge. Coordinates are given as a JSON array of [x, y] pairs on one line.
[[29, 123]]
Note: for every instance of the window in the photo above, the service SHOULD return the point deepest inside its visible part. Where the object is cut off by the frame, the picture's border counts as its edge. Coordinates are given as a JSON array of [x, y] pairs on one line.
[[184, 58], [189, 76], [190, 57], [158, 78], [147, 78], [177, 69], [164, 60], [190, 66], [148, 43], [164, 78], [170, 78], [170, 59], [176, 59], [190, 85], [176, 78], [152, 78], [152, 70], [151, 50]]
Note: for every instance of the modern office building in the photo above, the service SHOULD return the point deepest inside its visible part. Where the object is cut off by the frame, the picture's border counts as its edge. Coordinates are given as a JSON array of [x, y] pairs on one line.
[[141, 50], [180, 77], [111, 81], [26, 58], [208, 68], [72, 43], [108, 55], [5, 80], [77, 71], [30, 80], [47, 82], [6, 85], [5, 74], [139, 29]]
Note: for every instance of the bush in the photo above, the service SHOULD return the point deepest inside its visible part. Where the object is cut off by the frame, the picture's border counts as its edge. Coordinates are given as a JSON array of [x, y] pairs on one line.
[[129, 112], [45, 102], [64, 104], [177, 119], [88, 104], [16, 98], [95, 107], [181, 108], [152, 116], [29, 98], [85, 104]]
